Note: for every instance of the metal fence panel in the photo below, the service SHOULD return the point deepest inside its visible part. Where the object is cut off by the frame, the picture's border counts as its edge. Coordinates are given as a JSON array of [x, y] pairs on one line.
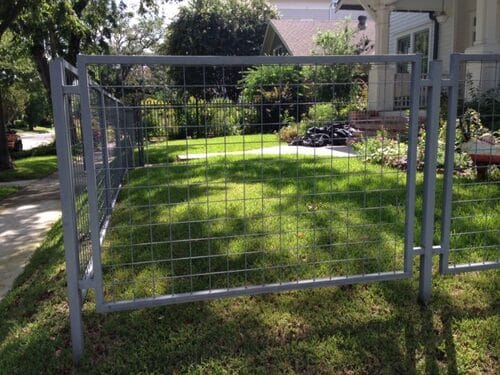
[[195, 220], [470, 226]]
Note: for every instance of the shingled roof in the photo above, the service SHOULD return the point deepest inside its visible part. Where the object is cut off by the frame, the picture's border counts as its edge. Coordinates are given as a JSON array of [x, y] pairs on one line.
[[297, 36]]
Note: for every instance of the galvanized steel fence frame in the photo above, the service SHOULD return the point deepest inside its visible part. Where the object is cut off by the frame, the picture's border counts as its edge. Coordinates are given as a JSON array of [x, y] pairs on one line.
[[78, 283]]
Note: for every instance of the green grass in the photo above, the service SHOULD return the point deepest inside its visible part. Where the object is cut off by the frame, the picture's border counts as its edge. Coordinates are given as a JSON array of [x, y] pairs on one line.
[[30, 168], [162, 152], [376, 328], [5, 191]]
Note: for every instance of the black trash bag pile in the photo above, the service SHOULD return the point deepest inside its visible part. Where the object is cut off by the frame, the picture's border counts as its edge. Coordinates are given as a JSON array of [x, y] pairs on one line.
[[336, 134]]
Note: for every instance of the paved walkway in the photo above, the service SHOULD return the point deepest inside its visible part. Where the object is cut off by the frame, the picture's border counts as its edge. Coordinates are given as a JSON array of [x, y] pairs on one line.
[[331, 151], [25, 219]]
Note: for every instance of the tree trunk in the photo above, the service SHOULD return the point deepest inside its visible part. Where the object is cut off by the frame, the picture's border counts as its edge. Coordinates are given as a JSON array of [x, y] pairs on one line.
[[5, 160], [42, 64]]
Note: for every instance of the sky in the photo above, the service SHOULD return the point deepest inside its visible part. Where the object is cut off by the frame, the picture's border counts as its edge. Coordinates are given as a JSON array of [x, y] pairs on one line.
[[169, 9]]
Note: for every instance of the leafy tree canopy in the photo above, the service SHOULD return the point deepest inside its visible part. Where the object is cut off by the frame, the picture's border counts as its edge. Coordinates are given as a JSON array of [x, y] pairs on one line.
[[219, 27]]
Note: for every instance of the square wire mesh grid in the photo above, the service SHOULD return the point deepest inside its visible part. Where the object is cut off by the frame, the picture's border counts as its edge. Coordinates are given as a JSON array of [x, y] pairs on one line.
[[475, 216], [209, 195], [79, 175]]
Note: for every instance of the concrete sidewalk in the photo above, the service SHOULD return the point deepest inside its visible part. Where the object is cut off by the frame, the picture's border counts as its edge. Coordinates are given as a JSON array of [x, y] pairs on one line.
[[330, 151], [25, 219]]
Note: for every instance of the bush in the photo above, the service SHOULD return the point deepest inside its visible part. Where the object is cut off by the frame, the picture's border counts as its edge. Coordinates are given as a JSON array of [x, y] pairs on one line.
[[158, 119], [391, 152], [278, 89], [487, 105], [289, 132]]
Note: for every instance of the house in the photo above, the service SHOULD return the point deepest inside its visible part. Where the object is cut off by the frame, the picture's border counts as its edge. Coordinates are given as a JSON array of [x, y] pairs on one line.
[[296, 36], [434, 28], [309, 9]]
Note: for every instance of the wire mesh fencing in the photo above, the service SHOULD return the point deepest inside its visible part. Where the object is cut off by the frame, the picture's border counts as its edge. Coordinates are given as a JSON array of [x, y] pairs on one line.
[[471, 211], [193, 178], [234, 177]]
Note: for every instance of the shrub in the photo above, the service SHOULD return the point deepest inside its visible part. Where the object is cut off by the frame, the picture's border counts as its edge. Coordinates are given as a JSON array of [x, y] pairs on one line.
[[158, 119], [391, 152], [289, 132], [279, 90], [487, 104], [321, 114]]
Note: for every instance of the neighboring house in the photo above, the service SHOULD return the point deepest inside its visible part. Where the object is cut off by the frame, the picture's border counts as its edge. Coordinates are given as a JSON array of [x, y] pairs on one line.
[[296, 37], [435, 28], [312, 9]]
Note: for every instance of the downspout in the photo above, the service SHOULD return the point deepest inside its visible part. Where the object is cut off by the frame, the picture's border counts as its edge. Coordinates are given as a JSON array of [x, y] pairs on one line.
[[435, 46]]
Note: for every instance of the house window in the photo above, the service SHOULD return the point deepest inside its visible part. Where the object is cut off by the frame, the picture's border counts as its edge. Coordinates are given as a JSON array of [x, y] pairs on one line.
[[403, 48], [417, 42], [421, 45]]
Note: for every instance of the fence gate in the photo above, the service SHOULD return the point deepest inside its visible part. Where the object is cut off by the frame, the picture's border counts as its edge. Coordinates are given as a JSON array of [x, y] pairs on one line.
[[470, 222], [176, 187]]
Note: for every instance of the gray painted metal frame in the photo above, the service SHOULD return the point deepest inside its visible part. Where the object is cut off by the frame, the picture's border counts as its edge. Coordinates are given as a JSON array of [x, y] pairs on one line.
[[102, 306], [429, 194], [426, 250], [453, 96], [67, 191]]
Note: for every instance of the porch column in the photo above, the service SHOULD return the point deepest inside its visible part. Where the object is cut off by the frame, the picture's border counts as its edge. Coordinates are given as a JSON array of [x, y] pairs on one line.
[[484, 76], [486, 26], [381, 76]]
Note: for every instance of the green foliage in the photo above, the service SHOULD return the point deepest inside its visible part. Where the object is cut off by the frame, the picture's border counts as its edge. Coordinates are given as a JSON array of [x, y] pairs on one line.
[[470, 126], [392, 152], [289, 132], [487, 105], [198, 118], [321, 114], [336, 82], [282, 90], [5, 191], [278, 90], [217, 27], [381, 149], [158, 119]]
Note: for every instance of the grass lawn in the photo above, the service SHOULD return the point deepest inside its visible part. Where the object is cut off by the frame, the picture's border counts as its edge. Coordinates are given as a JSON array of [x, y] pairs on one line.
[[31, 168], [300, 217], [167, 151], [5, 191]]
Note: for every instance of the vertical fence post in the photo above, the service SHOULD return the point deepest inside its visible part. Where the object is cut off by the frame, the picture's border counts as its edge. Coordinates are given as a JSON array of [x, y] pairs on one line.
[[429, 195], [416, 72], [88, 151], [105, 154], [67, 193], [449, 162]]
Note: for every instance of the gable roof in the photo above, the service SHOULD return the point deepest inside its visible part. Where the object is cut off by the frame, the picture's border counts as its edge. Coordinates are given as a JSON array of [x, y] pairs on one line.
[[297, 36]]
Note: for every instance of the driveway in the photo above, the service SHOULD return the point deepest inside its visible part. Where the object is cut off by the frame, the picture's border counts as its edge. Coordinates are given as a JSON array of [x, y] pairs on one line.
[[32, 139]]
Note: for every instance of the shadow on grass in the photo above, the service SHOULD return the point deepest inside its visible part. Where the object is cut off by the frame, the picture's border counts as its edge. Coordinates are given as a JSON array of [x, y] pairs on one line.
[[221, 224], [376, 328]]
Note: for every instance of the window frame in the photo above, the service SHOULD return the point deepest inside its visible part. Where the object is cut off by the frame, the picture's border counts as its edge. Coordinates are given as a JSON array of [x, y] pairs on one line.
[[404, 68]]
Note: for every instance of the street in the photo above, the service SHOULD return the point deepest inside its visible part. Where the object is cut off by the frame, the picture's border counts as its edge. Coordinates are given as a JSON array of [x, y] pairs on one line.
[[32, 139]]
